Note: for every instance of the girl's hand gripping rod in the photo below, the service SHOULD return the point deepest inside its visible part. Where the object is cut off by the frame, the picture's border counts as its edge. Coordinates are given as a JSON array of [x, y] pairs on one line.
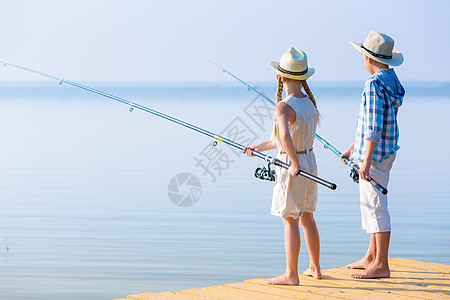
[[179, 122], [354, 173], [279, 163]]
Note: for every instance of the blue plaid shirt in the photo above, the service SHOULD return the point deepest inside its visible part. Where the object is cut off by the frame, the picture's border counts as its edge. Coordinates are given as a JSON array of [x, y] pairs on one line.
[[377, 118]]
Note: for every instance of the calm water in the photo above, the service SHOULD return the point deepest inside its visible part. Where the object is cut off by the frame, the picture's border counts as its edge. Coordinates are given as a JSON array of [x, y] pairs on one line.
[[84, 205]]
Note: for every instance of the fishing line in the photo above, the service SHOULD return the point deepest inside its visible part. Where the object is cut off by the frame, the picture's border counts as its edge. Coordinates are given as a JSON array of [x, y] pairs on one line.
[[217, 137], [354, 172]]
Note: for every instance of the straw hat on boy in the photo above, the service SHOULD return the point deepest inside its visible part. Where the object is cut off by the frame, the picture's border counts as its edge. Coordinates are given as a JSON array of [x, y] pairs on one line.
[[293, 64], [380, 47]]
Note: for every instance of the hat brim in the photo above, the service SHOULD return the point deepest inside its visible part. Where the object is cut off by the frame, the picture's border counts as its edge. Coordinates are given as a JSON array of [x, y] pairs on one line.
[[311, 71], [396, 60]]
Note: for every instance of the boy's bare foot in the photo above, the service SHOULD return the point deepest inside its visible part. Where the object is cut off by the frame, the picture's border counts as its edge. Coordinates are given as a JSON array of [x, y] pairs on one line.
[[363, 263], [284, 280], [313, 272], [373, 272]]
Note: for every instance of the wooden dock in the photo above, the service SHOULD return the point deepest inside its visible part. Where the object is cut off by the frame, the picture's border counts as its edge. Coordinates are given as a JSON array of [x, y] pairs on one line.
[[409, 280]]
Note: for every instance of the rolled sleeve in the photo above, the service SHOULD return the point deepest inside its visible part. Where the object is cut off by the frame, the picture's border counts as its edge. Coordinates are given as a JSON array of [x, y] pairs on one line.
[[373, 136]]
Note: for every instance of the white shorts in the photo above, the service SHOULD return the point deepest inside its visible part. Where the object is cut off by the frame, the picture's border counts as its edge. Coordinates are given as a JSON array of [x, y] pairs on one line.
[[374, 205]]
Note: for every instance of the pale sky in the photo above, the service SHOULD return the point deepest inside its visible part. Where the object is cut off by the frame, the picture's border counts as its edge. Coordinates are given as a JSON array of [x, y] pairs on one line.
[[101, 40]]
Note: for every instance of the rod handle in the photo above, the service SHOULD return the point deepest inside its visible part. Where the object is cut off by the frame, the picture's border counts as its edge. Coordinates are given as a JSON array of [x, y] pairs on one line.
[[378, 186], [312, 177]]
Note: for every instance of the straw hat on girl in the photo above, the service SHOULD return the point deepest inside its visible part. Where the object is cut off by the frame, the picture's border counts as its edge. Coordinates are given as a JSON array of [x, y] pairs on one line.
[[293, 64], [380, 47]]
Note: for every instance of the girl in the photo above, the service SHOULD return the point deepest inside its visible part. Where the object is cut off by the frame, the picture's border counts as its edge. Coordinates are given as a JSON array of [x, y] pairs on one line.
[[294, 198]]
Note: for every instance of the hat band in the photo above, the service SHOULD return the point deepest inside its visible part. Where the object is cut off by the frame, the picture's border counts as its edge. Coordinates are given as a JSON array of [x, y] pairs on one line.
[[376, 54], [291, 73]]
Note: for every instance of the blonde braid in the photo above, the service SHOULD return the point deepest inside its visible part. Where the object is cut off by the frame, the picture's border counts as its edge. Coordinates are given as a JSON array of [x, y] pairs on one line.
[[310, 94], [280, 89], [273, 137]]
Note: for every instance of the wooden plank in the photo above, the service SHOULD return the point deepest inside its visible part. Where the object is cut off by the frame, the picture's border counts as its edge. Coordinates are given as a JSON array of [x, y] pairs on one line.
[[350, 290], [386, 286], [314, 291], [226, 292], [394, 289], [192, 294], [162, 296], [344, 288], [139, 296], [444, 285], [429, 278], [420, 272], [411, 278], [420, 265], [275, 290]]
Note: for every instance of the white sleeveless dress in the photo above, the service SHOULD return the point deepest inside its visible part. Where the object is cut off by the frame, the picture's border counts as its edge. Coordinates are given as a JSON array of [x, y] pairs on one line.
[[294, 195]]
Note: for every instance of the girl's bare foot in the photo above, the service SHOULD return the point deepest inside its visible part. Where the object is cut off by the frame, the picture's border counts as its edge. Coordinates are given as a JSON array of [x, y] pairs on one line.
[[363, 263], [373, 272], [284, 280], [313, 272]]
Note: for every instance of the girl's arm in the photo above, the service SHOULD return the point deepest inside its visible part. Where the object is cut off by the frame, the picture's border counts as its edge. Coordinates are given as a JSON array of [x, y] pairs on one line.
[[283, 113], [267, 145]]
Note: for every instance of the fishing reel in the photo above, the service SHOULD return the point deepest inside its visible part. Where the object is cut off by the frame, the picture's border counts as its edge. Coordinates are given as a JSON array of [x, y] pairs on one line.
[[264, 173], [354, 174]]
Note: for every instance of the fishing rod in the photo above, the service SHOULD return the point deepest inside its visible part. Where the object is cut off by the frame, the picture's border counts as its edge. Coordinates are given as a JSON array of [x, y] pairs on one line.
[[269, 159], [243, 82], [354, 173]]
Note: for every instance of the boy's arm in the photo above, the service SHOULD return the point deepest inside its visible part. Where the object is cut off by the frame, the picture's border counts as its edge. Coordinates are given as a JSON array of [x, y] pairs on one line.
[[364, 169], [348, 153], [373, 115]]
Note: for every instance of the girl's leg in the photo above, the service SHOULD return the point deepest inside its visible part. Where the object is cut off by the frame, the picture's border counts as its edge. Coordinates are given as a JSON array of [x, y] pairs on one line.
[[313, 243], [368, 259], [292, 248]]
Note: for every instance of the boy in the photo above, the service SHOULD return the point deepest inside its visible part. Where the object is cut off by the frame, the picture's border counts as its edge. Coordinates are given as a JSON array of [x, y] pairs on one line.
[[375, 147]]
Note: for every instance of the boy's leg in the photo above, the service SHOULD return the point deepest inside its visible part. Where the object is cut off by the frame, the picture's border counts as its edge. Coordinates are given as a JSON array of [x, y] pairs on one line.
[[313, 243], [380, 266], [292, 248], [368, 258], [375, 214]]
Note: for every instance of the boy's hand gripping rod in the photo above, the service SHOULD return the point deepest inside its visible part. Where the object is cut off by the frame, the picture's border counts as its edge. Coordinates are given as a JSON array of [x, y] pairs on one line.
[[132, 105], [354, 173]]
